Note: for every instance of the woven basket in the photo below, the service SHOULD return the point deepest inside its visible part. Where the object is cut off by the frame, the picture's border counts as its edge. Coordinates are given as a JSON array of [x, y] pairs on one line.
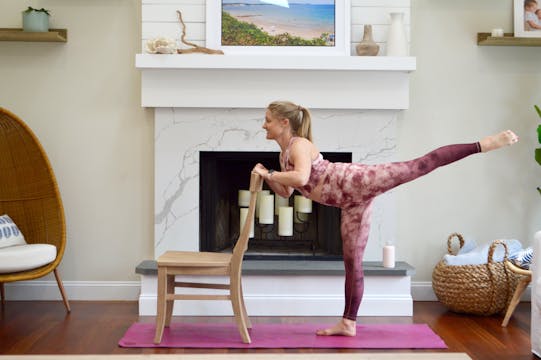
[[484, 289]]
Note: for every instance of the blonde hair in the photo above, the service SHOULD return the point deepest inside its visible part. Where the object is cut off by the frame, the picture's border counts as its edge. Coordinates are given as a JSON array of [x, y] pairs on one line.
[[299, 117]]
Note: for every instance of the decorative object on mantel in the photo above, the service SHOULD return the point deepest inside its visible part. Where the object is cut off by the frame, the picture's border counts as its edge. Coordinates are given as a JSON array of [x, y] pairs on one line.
[[367, 46], [397, 41], [36, 20], [195, 48], [300, 29], [161, 45]]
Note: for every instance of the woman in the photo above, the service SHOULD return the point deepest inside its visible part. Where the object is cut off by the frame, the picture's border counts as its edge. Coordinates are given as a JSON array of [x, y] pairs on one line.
[[349, 186]]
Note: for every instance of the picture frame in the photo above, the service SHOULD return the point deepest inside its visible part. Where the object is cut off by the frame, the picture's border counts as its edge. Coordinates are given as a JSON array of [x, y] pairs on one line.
[[524, 15], [276, 27]]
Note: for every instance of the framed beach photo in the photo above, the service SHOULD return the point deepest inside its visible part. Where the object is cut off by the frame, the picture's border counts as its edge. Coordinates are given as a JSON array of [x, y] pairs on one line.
[[527, 14], [279, 27]]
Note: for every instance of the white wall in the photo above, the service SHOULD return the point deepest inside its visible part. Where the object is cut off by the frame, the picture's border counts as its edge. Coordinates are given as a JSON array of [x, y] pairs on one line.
[[460, 92], [82, 100]]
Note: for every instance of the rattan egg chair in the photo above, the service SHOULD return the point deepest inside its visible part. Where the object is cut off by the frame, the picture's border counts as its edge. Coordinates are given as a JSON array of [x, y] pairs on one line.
[[29, 195]]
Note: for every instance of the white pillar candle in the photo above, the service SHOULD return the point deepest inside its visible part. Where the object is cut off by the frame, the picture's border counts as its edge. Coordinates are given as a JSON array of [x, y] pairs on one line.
[[302, 204], [244, 198], [388, 256], [243, 215], [285, 221], [266, 209], [258, 201], [279, 202]]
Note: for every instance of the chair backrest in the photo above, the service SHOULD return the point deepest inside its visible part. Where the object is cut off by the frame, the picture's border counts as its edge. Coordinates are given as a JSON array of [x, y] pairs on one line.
[[28, 189], [256, 184]]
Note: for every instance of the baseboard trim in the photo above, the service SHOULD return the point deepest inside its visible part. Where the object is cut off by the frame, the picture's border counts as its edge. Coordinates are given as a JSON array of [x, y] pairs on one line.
[[130, 291], [75, 290], [422, 291]]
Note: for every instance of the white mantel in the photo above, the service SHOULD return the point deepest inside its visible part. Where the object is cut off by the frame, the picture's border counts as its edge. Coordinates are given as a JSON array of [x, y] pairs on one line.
[[240, 81]]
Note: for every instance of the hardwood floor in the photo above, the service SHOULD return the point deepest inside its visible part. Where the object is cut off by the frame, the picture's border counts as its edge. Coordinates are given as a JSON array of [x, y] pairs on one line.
[[41, 327]]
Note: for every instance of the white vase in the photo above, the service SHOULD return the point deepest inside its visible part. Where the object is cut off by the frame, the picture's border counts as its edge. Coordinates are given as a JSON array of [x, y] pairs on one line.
[[397, 41]]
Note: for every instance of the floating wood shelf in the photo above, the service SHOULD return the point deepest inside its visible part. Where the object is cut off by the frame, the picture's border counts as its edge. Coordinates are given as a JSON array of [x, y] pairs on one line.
[[485, 39], [53, 35]]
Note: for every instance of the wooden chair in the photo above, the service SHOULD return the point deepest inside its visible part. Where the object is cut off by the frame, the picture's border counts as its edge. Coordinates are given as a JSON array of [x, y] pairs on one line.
[[525, 279], [173, 263], [29, 195]]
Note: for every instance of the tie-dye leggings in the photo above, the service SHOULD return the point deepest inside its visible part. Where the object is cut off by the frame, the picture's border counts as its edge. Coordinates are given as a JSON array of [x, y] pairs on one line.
[[352, 187]]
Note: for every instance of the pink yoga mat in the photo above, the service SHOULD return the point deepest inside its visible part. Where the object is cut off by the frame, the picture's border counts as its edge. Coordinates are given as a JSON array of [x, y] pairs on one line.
[[200, 335]]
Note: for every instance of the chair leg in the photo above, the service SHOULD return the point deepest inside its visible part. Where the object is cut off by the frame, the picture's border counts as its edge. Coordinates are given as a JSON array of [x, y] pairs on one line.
[[61, 288], [235, 293], [160, 309], [2, 294], [521, 286], [243, 308], [169, 302]]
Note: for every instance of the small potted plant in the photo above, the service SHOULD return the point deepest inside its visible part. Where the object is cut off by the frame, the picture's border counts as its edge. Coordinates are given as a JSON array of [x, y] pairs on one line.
[[36, 20]]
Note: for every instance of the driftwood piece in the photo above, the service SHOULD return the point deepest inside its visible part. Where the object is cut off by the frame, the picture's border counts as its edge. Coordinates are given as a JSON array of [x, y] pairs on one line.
[[195, 48]]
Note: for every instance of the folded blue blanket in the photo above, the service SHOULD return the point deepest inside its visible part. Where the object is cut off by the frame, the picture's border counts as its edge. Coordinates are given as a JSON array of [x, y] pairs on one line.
[[479, 255], [469, 245]]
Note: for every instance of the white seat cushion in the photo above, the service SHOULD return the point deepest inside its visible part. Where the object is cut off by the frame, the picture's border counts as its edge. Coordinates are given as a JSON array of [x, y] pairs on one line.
[[25, 257]]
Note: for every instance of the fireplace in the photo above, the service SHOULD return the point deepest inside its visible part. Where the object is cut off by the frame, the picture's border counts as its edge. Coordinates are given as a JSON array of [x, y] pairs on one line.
[[314, 235]]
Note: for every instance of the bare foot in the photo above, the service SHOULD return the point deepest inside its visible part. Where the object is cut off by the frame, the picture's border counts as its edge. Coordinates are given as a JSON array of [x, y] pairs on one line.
[[345, 327], [497, 141]]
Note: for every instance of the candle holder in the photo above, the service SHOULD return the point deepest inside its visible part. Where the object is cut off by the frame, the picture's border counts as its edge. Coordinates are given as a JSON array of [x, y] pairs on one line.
[[264, 230], [301, 225]]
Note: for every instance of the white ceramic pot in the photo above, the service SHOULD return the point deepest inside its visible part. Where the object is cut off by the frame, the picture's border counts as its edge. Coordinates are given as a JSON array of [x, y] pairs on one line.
[[35, 21]]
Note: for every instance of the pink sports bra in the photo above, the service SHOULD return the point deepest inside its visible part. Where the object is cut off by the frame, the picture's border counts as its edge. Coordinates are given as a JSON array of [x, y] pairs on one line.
[[318, 169]]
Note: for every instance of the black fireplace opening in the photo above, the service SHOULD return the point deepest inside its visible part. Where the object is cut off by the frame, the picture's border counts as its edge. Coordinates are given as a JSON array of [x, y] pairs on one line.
[[316, 235]]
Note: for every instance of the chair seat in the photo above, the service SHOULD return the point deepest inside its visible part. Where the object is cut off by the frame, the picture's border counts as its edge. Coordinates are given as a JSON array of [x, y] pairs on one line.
[[26, 257], [194, 259]]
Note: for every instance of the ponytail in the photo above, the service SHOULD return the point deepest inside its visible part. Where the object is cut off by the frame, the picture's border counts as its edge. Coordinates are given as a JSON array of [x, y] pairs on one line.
[[305, 130], [299, 117]]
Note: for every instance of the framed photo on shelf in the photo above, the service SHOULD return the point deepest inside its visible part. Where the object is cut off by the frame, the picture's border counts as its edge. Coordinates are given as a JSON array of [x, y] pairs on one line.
[[279, 27], [527, 18]]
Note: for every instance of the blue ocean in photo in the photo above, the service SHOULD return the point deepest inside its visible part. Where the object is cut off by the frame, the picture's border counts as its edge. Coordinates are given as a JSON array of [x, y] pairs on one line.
[[301, 15]]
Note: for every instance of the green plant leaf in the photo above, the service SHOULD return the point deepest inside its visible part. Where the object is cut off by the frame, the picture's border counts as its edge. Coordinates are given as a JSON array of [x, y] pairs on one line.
[[30, 9], [538, 110]]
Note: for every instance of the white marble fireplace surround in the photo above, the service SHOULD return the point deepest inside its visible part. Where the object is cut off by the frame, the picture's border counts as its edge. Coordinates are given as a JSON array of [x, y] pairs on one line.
[[216, 103], [180, 134]]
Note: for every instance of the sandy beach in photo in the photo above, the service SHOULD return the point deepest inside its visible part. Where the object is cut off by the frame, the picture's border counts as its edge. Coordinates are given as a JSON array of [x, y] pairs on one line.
[[274, 29]]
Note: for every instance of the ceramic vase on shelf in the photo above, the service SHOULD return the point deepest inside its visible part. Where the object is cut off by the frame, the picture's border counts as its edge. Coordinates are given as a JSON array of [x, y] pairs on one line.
[[367, 47], [397, 41]]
